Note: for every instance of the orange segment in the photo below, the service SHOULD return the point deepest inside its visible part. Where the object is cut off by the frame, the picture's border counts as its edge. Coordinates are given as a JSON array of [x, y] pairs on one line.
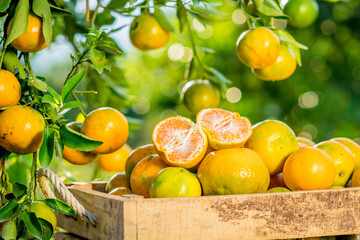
[[179, 142], [224, 129]]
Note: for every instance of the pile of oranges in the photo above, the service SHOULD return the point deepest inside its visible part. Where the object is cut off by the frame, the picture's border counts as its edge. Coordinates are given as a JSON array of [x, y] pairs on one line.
[[222, 153]]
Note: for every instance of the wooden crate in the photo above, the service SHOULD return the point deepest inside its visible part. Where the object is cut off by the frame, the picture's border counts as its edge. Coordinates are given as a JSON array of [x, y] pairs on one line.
[[248, 216]]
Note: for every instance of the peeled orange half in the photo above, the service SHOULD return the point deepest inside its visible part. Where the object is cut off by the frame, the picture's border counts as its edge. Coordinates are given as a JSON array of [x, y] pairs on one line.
[[180, 142], [224, 129]]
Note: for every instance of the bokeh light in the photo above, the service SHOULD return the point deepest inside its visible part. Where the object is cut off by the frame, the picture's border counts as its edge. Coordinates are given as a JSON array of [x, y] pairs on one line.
[[238, 17], [308, 100], [176, 51], [233, 95], [141, 105]]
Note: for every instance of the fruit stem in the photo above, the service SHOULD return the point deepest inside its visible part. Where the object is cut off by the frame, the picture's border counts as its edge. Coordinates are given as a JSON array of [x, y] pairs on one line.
[[80, 108], [27, 61], [32, 187], [2, 57]]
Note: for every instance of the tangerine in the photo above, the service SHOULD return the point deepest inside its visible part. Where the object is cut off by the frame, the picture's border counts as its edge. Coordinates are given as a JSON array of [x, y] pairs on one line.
[[136, 156], [10, 89], [352, 146], [115, 162], [117, 180]]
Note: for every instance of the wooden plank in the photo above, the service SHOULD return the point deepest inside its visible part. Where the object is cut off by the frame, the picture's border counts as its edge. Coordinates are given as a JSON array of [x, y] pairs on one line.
[[66, 236]]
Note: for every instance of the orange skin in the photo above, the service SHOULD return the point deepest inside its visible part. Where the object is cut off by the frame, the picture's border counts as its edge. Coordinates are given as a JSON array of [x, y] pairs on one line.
[[304, 142], [278, 189], [144, 173], [21, 129], [309, 168], [120, 191], [107, 125], [282, 68], [136, 156], [117, 180], [258, 48], [115, 162], [33, 39], [352, 146], [76, 156], [10, 89], [355, 179]]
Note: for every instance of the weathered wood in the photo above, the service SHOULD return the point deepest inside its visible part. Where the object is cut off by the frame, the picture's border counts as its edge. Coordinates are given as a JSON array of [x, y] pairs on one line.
[[249, 216], [66, 236]]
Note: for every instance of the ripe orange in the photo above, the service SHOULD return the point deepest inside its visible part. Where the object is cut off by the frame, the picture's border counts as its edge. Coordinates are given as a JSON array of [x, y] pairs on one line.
[[137, 155], [179, 142], [343, 159], [278, 189], [233, 171], [309, 168], [76, 156], [304, 142], [223, 128], [277, 181], [107, 125], [120, 191], [175, 182], [199, 94], [355, 179], [258, 48], [117, 180], [33, 39], [115, 162], [43, 211], [21, 129], [352, 146], [144, 173], [302, 13], [274, 141], [10, 89], [282, 68], [146, 33]]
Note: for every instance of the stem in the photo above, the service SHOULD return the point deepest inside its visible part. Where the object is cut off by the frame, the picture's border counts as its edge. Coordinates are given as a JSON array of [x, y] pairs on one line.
[[85, 92], [27, 61], [95, 12], [32, 187], [2, 56], [87, 14], [80, 108], [76, 65]]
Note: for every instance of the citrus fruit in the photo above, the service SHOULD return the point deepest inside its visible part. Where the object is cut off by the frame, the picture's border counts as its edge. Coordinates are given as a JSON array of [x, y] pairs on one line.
[[107, 125], [233, 171], [274, 141], [146, 33], [258, 47], [175, 182], [117, 180], [199, 94], [352, 146], [10, 89], [137, 155], [76, 156], [32, 39], [336, 187], [304, 142], [278, 189], [282, 68], [355, 179], [115, 162], [309, 168], [120, 191], [180, 142], [43, 211], [343, 159], [21, 129], [144, 173], [223, 128], [277, 181], [302, 13], [80, 118]]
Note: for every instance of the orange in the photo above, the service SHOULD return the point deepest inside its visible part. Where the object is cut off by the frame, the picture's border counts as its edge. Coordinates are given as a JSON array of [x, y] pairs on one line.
[[32, 40], [21, 129], [115, 162], [304, 142], [76, 156], [117, 180], [278, 189], [309, 168], [43, 211], [120, 191], [258, 47], [136, 156], [175, 182], [343, 159], [180, 142], [336, 187], [352, 146], [199, 94], [107, 125], [282, 68], [144, 173], [355, 179], [10, 89], [277, 181], [274, 141], [146, 33], [223, 128], [302, 13], [233, 171]]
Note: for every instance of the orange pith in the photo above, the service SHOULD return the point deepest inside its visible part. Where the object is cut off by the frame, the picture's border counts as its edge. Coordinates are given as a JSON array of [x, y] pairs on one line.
[[180, 142], [224, 129]]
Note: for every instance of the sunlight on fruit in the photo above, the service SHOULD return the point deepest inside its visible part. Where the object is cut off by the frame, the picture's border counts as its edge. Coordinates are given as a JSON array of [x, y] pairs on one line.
[[328, 27], [310, 129], [198, 26], [141, 105], [238, 17], [308, 100], [176, 51], [233, 95]]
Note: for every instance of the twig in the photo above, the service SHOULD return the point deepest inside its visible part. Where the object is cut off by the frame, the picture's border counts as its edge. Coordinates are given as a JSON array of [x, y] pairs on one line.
[[95, 12], [86, 50], [80, 108], [32, 187], [85, 92], [87, 14]]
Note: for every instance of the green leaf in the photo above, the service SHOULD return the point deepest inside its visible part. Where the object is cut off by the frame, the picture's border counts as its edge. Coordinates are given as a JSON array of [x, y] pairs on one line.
[[108, 45], [19, 189], [97, 58], [76, 140], [38, 84], [60, 206], [47, 148], [9, 210], [117, 4], [4, 5], [72, 104], [19, 21], [291, 43], [57, 11], [270, 8], [12, 63], [48, 99], [214, 2], [54, 94], [181, 15], [47, 229], [42, 9], [221, 80], [72, 83], [162, 20], [9, 231], [32, 223]]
